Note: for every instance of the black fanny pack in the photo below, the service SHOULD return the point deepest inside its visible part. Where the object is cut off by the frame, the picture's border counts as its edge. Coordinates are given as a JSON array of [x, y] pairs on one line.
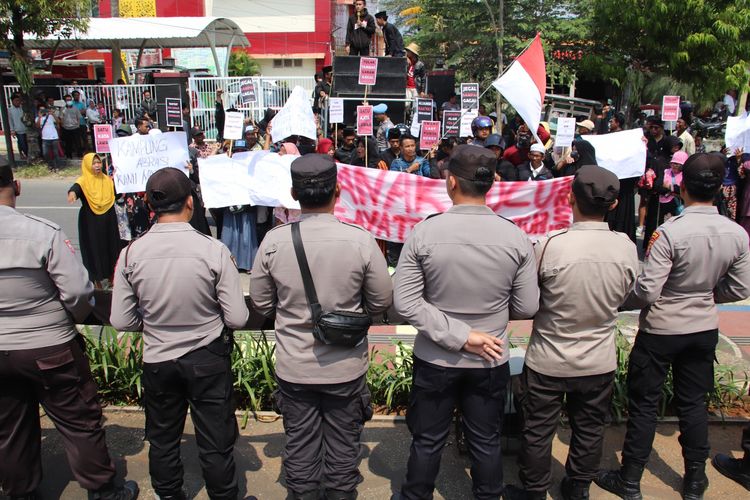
[[344, 328]]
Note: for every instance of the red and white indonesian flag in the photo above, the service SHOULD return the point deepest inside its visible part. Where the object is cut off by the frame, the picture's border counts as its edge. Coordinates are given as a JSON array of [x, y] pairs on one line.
[[524, 84]]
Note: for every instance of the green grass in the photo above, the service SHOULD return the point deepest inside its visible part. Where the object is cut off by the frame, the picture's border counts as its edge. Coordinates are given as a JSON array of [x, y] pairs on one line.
[[39, 170]]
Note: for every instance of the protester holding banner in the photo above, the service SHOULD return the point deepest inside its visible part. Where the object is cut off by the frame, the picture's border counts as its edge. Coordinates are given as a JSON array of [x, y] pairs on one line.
[[409, 161], [98, 233], [534, 169], [583, 153]]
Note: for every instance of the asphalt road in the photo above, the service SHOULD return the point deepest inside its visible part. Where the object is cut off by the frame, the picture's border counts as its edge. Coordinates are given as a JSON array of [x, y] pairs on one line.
[[47, 198]]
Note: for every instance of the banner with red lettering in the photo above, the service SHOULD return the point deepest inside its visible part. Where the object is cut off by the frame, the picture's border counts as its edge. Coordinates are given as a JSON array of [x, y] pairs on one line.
[[390, 204]]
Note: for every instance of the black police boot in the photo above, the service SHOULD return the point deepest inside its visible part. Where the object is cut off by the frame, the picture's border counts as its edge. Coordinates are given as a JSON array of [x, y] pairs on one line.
[[695, 482], [625, 483], [573, 489], [341, 495], [736, 469], [512, 492], [128, 491], [182, 495]]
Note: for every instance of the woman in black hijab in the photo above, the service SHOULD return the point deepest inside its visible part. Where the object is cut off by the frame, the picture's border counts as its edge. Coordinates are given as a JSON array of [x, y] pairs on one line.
[[373, 156], [583, 154]]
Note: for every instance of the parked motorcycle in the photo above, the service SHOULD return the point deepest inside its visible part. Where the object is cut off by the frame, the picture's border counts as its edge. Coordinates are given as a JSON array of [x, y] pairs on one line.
[[714, 127]]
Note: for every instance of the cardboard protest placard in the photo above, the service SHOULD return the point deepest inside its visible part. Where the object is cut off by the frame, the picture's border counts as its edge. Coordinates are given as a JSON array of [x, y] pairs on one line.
[[430, 134], [467, 116], [234, 122], [623, 153], [424, 110], [469, 96], [174, 111], [451, 123], [335, 110], [670, 108], [102, 135], [247, 91], [137, 157], [364, 120], [566, 131], [295, 118], [368, 70]]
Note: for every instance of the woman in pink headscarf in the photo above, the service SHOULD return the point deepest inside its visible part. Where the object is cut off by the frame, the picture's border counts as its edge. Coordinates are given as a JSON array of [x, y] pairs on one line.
[[288, 148]]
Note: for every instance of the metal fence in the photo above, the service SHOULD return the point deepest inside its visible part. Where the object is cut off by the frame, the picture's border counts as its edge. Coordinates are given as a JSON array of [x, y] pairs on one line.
[[272, 93], [126, 98]]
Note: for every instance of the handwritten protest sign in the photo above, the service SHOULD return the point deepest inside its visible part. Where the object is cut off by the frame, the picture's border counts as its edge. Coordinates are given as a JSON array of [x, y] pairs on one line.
[[469, 96], [137, 157], [430, 134], [102, 135], [295, 118], [623, 153], [451, 123], [173, 111], [670, 108], [467, 116], [566, 131], [364, 120], [336, 110], [388, 204], [247, 91], [233, 125], [368, 70]]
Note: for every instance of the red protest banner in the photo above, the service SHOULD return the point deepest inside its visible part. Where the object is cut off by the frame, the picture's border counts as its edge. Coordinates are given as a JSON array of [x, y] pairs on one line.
[[670, 108], [368, 70], [390, 204], [364, 120], [430, 134], [102, 134]]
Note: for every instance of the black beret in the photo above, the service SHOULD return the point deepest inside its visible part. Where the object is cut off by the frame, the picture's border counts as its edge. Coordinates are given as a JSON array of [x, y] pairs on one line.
[[6, 173], [706, 167], [596, 185], [167, 189], [467, 159], [313, 169]]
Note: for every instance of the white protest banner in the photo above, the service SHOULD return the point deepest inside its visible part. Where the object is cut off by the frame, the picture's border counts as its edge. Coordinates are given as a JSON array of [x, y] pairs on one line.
[[233, 125], [388, 204], [136, 157], [467, 116], [737, 134], [295, 118], [623, 153], [566, 131], [336, 110], [368, 70], [670, 108]]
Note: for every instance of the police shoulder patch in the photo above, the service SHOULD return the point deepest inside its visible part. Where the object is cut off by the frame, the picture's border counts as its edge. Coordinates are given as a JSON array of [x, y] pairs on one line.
[[70, 246], [654, 236]]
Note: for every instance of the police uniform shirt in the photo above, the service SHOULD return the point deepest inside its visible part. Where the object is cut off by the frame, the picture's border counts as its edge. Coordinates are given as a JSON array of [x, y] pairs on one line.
[[585, 274], [694, 261], [180, 287], [466, 269], [45, 287], [347, 268]]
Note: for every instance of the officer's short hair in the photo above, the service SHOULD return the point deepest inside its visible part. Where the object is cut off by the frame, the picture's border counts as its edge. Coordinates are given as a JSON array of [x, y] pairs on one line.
[[703, 175], [6, 173]]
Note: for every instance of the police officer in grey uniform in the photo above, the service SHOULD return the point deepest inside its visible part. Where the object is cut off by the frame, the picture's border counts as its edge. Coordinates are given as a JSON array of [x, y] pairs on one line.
[[322, 393], [585, 274], [461, 276], [694, 261], [45, 290], [182, 289]]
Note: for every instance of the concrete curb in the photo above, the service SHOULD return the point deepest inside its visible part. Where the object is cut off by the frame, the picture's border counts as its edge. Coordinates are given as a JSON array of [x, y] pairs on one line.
[[272, 416]]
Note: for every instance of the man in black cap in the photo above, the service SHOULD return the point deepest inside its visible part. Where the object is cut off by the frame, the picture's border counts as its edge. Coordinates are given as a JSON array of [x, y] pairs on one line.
[[481, 272], [571, 352], [394, 42], [182, 289], [45, 291], [694, 261], [322, 393]]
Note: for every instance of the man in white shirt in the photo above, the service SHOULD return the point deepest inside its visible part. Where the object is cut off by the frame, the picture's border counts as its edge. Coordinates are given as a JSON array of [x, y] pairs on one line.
[[688, 143], [730, 101], [47, 124]]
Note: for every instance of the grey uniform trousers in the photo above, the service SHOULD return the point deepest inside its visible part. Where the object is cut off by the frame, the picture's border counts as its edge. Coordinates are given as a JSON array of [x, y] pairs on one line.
[[323, 425], [59, 378]]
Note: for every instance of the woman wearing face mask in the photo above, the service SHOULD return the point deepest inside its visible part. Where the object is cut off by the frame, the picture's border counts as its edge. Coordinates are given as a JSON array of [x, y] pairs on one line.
[[98, 234]]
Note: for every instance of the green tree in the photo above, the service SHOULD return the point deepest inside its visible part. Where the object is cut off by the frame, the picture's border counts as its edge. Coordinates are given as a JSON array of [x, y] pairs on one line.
[[241, 64], [701, 43], [39, 18]]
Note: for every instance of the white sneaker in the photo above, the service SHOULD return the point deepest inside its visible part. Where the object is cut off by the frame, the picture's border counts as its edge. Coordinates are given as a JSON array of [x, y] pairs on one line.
[[639, 232]]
